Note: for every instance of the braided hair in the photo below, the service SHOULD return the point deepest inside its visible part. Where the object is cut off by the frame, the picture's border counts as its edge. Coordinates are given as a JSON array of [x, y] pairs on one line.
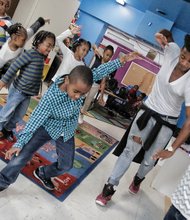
[[79, 42], [16, 29], [41, 36]]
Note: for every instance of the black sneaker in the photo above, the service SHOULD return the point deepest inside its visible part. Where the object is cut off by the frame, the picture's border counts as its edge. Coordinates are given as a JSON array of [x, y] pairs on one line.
[[46, 182]]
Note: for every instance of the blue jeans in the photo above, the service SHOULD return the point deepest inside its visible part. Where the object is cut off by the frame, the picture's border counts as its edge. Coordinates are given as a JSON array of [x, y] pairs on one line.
[[174, 214], [15, 108], [65, 152], [132, 148]]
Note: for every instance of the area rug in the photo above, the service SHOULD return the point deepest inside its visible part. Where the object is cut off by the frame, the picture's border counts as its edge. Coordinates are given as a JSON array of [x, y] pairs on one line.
[[101, 113], [92, 145]]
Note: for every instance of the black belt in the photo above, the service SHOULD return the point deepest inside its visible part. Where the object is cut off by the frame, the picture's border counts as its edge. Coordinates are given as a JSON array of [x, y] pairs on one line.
[[165, 116]]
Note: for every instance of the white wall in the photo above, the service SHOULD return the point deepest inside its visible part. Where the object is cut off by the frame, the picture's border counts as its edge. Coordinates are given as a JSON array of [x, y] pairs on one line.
[[60, 13]]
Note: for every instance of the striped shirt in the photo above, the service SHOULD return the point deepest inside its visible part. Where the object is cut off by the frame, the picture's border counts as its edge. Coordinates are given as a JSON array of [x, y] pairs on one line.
[[57, 113], [30, 64], [181, 196], [5, 22]]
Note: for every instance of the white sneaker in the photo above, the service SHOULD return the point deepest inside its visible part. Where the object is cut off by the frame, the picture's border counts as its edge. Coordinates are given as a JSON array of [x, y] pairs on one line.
[[80, 119]]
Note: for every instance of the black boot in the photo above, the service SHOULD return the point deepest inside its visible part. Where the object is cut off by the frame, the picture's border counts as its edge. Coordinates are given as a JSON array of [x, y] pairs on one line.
[[137, 180], [106, 195], [135, 185], [108, 190]]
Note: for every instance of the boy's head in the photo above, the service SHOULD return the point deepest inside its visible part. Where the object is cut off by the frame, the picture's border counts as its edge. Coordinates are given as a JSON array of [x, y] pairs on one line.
[[135, 87], [4, 6], [67, 41], [44, 42], [184, 58], [78, 82], [108, 53]]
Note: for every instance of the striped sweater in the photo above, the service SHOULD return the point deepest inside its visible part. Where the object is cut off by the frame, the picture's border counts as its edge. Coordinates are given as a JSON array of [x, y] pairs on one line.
[[30, 64]]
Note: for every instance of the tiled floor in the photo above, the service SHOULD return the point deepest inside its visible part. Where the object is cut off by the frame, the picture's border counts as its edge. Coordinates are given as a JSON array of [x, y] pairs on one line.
[[26, 201]]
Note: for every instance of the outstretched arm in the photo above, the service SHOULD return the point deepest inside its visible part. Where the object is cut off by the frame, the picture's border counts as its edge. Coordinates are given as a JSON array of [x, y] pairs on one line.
[[69, 32], [36, 26], [107, 68], [37, 119], [21, 61], [161, 39]]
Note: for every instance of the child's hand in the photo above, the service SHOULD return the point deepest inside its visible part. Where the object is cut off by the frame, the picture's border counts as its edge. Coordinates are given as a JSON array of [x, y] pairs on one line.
[[95, 49], [129, 57], [161, 39], [75, 29], [13, 151], [47, 21]]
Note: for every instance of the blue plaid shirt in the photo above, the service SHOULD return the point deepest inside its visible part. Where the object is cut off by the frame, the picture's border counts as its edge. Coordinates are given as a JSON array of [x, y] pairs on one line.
[[57, 113]]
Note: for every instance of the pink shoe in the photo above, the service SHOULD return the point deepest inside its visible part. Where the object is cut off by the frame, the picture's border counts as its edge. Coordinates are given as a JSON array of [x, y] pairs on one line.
[[101, 200], [134, 189], [106, 195]]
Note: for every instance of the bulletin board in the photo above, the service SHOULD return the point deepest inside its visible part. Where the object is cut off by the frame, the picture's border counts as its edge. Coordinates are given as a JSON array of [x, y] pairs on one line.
[[138, 75], [141, 72]]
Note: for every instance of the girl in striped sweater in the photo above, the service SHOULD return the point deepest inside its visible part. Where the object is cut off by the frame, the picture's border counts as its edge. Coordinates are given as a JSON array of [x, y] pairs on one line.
[[26, 84]]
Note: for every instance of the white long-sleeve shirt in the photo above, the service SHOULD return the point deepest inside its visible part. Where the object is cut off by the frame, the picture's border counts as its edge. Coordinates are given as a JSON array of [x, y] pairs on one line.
[[69, 61]]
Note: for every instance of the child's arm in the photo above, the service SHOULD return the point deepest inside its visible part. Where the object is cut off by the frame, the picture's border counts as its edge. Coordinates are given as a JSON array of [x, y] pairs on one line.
[[35, 26], [161, 39], [40, 114], [21, 61], [107, 68], [96, 51], [65, 34]]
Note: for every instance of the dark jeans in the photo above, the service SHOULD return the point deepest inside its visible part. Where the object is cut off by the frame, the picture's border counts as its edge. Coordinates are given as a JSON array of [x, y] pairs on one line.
[[174, 214], [65, 152]]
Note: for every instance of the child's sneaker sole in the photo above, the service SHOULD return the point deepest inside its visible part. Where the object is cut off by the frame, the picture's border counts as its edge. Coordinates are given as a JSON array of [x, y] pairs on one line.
[[34, 173]]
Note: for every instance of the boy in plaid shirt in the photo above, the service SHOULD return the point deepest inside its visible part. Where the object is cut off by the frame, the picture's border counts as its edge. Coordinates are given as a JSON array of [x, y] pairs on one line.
[[56, 117]]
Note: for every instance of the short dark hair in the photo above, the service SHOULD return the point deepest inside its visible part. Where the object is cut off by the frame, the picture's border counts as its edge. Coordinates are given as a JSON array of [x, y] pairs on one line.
[[82, 73], [187, 42], [109, 47], [167, 34], [41, 36]]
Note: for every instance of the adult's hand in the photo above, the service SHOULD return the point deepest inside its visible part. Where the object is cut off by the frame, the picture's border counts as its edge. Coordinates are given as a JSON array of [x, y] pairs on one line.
[[163, 154]]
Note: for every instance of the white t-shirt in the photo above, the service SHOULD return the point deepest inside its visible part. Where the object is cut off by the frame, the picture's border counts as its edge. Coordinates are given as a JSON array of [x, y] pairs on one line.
[[69, 61], [166, 98], [6, 54], [181, 196]]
